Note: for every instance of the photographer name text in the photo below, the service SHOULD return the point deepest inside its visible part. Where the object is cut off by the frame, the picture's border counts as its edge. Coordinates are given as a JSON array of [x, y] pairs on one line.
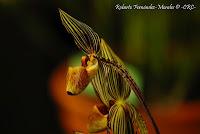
[[155, 7]]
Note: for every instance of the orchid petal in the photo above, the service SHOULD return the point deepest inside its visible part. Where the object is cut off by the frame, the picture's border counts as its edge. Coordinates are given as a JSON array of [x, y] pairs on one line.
[[85, 38]]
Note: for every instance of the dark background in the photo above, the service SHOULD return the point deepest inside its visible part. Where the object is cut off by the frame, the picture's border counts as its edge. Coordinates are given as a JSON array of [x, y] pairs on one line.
[[34, 42]]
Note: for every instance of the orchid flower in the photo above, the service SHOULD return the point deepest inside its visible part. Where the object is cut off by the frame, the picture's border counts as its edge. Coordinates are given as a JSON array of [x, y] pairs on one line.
[[110, 79]]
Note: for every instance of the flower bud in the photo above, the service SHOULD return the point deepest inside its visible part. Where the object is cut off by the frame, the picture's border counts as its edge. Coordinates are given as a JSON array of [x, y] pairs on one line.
[[97, 121]]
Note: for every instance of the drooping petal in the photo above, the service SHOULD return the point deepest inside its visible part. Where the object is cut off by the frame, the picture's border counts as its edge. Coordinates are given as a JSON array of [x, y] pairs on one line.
[[119, 120], [131, 83], [85, 38], [118, 87], [108, 83], [125, 119], [100, 86]]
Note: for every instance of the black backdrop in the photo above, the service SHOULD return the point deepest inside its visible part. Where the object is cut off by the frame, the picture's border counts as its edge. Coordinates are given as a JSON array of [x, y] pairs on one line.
[[33, 43]]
